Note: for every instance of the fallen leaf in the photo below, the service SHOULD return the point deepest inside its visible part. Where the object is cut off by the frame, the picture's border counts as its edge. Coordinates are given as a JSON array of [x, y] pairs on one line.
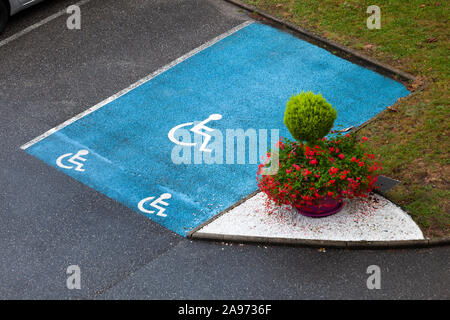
[[430, 40], [392, 108], [416, 84], [369, 47]]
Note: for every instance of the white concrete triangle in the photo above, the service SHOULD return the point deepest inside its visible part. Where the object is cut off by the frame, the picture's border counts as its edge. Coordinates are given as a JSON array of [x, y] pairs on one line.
[[375, 219]]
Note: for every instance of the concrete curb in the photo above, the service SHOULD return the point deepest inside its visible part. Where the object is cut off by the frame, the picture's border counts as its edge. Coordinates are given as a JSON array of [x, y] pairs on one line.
[[346, 53], [359, 57], [394, 244], [324, 243], [367, 62]]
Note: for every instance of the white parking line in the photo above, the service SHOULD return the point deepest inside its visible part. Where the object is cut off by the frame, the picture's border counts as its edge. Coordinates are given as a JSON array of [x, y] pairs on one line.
[[37, 25], [137, 84]]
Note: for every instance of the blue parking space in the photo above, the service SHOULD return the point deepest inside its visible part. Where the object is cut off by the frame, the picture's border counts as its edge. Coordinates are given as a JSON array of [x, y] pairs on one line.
[[126, 149]]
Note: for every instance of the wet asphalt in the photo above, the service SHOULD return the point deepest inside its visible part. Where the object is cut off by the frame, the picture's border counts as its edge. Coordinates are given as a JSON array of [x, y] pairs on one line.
[[49, 221]]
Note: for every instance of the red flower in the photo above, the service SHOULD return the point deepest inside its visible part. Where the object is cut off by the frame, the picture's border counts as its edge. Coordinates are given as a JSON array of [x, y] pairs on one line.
[[280, 144], [343, 174], [309, 151], [261, 165], [301, 161], [333, 171], [365, 138]]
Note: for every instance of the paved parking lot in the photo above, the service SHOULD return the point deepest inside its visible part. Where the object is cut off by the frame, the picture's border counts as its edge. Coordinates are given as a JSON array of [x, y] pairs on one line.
[[51, 221]]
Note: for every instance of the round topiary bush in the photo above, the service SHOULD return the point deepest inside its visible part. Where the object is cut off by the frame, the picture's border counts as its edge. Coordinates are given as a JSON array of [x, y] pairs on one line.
[[309, 116]]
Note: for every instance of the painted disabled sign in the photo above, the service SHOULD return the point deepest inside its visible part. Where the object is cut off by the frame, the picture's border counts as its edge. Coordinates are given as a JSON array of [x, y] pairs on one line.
[[169, 147]]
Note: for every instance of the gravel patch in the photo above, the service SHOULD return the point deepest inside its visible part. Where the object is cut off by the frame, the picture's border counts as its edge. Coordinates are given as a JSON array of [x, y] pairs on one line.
[[373, 219]]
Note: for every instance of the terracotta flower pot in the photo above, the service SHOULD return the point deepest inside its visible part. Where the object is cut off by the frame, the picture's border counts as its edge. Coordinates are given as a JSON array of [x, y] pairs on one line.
[[326, 207]]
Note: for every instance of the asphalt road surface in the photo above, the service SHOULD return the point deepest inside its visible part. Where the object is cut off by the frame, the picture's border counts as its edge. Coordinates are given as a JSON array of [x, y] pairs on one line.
[[50, 221]]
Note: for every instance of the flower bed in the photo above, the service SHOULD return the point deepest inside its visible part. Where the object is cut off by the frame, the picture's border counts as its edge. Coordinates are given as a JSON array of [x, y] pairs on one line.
[[314, 170]]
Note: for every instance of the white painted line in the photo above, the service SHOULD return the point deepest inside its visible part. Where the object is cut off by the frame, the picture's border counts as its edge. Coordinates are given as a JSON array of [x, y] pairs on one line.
[[39, 24], [137, 84]]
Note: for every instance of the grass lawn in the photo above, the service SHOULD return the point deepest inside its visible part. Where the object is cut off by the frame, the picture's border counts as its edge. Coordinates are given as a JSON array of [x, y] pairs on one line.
[[412, 139]]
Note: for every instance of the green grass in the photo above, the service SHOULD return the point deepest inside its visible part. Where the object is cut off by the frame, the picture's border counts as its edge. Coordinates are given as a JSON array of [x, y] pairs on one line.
[[412, 141]]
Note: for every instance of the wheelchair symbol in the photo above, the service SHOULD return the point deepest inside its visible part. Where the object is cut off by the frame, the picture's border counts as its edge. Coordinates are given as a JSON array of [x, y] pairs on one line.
[[199, 129], [76, 160], [155, 204]]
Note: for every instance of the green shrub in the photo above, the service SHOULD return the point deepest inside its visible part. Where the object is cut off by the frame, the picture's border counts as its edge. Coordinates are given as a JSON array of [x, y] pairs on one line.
[[309, 116]]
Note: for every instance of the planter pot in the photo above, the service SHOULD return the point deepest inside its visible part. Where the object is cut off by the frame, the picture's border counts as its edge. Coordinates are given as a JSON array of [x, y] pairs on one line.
[[326, 207]]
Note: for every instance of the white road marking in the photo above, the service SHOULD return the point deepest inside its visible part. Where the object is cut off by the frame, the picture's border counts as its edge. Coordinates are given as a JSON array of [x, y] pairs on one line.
[[198, 129], [73, 160], [39, 24], [156, 204], [137, 84]]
